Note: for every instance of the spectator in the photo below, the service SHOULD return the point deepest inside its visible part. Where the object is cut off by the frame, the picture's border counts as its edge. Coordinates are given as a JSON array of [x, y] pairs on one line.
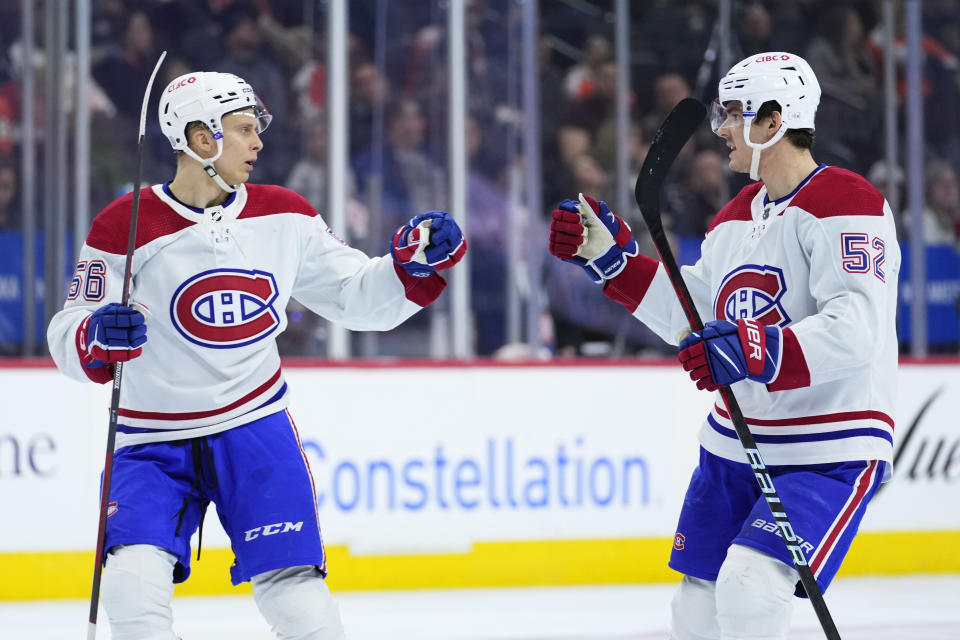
[[849, 116], [369, 92], [668, 89], [586, 323], [128, 67], [699, 197], [9, 211], [310, 179], [938, 85], [551, 93], [580, 80], [409, 180], [942, 210], [589, 177], [754, 30], [585, 116], [488, 221], [889, 184], [605, 149], [247, 58]]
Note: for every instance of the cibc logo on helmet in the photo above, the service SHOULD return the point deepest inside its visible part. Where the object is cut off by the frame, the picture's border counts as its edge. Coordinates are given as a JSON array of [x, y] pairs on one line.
[[182, 83], [784, 57]]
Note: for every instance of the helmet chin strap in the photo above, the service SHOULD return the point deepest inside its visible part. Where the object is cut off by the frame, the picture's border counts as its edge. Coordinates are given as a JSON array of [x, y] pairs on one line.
[[758, 147], [208, 167]]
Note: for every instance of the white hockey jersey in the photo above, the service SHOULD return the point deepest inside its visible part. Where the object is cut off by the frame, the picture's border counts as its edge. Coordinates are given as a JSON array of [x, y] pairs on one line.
[[822, 263], [216, 283]]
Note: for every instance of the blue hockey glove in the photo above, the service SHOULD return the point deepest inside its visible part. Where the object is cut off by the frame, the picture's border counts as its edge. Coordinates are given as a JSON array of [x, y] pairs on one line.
[[430, 242], [588, 234], [724, 353], [113, 333]]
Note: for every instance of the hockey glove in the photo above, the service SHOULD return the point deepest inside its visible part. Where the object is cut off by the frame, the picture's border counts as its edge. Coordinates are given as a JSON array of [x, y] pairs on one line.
[[113, 333], [587, 233], [724, 353], [430, 242]]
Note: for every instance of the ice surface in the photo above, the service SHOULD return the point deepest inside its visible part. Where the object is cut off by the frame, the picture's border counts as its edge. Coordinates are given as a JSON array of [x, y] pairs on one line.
[[906, 608]]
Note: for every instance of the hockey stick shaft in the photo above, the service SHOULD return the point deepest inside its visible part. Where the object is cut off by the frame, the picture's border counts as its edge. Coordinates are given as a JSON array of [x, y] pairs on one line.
[[672, 135], [118, 369]]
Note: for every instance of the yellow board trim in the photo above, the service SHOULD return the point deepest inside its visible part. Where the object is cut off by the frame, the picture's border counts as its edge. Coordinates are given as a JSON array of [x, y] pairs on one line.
[[67, 574]]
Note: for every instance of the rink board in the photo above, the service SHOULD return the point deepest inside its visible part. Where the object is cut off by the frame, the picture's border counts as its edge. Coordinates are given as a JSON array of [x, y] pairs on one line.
[[479, 475]]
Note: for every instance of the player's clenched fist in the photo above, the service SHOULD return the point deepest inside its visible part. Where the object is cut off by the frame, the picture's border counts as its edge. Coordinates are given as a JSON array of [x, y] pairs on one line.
[[427, 243], [112, 333], [587, 233], [723, 353]]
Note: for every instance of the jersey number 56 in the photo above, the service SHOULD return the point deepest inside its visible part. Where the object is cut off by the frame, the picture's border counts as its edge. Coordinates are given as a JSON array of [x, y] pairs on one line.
[[89, 280]]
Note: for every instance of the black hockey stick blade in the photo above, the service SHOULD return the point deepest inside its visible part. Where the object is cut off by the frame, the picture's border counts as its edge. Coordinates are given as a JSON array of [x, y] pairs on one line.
[[678, 127], [669, 139]]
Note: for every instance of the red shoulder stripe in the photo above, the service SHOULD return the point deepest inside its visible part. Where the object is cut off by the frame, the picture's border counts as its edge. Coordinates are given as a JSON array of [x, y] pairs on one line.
[[268, 199], [155, 219], [837, 192]]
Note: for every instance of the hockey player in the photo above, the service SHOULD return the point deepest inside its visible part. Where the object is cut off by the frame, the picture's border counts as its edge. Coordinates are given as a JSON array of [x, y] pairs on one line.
[[798, 279], [203, 407]]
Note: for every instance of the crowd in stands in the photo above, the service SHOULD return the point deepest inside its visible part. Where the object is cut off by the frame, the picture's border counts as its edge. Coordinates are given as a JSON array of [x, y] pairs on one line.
[[398, 119]]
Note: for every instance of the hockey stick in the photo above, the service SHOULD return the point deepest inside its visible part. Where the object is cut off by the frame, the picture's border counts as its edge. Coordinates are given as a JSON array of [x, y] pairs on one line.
[[670, 138], [118, 370]]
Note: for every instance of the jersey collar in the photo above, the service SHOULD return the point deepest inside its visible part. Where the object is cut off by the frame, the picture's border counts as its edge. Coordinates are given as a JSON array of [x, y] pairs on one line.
[[226, 212], [766, 197]]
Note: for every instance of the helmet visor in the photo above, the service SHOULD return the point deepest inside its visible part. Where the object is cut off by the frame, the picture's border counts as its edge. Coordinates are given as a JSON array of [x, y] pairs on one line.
[[263, 115], [728, 117], [260, 113]]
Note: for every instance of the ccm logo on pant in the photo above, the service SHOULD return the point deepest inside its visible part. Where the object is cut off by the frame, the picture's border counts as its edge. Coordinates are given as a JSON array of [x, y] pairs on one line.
[[270, 529]]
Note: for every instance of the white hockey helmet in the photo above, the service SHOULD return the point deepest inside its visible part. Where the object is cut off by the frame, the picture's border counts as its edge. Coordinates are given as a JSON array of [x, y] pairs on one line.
[[207, 96], [783, 77]]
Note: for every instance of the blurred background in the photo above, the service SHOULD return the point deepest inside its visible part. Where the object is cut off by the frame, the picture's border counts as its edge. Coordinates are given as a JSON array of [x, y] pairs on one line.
[[523, 512], [528, 103]]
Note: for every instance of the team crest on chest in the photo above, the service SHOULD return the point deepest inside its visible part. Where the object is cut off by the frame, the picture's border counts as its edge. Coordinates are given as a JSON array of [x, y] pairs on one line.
[[225, 308], [753, 291]]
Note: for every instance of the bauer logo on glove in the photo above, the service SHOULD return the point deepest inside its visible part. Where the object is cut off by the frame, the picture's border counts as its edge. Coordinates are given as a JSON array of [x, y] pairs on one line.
[[429, 242], [723, 353], [588, 234]]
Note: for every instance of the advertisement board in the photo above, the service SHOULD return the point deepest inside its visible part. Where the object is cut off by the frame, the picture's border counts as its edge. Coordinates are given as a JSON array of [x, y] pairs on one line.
[[467, 475]]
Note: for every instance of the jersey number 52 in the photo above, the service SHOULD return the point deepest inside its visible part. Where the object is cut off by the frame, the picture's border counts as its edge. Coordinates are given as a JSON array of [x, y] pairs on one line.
[[856, 254]]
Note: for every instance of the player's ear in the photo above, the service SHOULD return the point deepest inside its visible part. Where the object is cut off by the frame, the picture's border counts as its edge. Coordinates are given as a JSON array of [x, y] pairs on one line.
[[201, 141], [773, 122]]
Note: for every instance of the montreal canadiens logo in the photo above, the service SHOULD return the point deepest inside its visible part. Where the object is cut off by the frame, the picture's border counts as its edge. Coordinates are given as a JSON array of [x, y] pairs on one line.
[[753, 291], [226, 308]]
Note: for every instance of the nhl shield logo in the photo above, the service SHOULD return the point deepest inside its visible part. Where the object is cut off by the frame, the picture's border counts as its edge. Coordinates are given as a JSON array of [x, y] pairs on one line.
[[225, 308], [753, 291]]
